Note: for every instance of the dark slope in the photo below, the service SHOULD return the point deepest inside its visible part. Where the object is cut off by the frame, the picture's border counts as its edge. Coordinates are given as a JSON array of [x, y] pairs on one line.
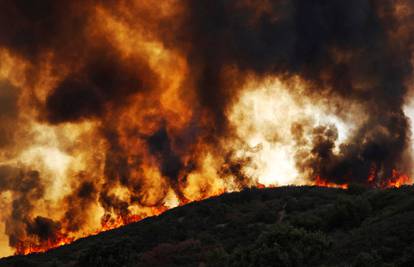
[[287, 226]]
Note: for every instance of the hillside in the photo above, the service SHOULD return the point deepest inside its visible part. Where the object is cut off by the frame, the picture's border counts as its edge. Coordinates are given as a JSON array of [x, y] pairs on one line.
[[286, 226]]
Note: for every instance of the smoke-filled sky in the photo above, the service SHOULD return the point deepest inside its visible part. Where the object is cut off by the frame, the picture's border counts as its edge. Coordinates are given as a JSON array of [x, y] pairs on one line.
[[111, 111]]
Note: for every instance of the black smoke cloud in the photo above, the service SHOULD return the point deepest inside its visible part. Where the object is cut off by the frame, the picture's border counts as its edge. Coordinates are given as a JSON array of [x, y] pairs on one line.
[[8, 100], [106, 81], [8, 113], [100, 78], [32, 28], [374, 151], [343, 48], [44, 228], [27, 188], [84, 195], [297, 37], [160, 145]]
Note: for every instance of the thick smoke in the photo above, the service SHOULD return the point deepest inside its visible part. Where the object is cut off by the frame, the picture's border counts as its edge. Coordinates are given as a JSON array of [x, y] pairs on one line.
[[35, 27], [357, 51], [160, 145], [345, 48], [27, 188], [83, 197], [44, 228], [105, 81], [8, 113]]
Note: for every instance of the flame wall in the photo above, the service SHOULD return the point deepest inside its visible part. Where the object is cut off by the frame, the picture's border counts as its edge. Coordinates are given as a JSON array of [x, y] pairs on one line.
[[111, 111]]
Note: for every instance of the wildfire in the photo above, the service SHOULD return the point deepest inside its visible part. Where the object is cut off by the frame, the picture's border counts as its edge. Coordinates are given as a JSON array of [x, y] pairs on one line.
[[125, 109], [397, 180], [28, 247], [324, 183], [108, 222]]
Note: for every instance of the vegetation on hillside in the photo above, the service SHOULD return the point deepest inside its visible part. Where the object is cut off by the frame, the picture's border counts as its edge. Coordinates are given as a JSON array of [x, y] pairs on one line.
[[286, 226]]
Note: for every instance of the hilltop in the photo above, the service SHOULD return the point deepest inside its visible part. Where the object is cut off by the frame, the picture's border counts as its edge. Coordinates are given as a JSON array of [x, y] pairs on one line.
[[285, 226]]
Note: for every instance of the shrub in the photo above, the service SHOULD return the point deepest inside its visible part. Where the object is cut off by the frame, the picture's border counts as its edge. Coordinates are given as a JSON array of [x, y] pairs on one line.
[[282, 245], [348, 213]]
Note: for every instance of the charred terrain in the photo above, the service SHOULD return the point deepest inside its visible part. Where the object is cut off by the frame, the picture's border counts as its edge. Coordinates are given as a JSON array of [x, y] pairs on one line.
[[286, 226]]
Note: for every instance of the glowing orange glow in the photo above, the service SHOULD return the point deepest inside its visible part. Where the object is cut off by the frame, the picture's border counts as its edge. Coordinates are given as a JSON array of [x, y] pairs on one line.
[[324, 183], [109, 223], [372, 175], [397, 180], [28, 247]]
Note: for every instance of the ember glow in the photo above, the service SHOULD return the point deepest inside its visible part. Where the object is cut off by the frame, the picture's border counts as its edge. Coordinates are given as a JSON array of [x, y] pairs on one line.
[[113, 111], [28, 247], [322, 182]]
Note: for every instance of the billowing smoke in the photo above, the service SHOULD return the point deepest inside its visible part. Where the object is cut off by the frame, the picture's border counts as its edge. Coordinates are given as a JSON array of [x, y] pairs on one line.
[[345, 49], [113, 111], [105, 80], [27, 188]]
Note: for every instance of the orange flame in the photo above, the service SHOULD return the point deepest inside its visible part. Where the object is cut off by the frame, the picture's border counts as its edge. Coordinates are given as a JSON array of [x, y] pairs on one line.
[[28, 246], [397, 180], [319, 181], [108, 223]]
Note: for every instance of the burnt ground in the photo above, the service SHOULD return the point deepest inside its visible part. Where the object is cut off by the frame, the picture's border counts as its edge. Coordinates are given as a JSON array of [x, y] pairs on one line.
[[285, 226]]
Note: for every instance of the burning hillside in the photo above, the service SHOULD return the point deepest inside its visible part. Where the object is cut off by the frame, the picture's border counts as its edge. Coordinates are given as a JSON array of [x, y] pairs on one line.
[[284, 226], [113, 111]]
